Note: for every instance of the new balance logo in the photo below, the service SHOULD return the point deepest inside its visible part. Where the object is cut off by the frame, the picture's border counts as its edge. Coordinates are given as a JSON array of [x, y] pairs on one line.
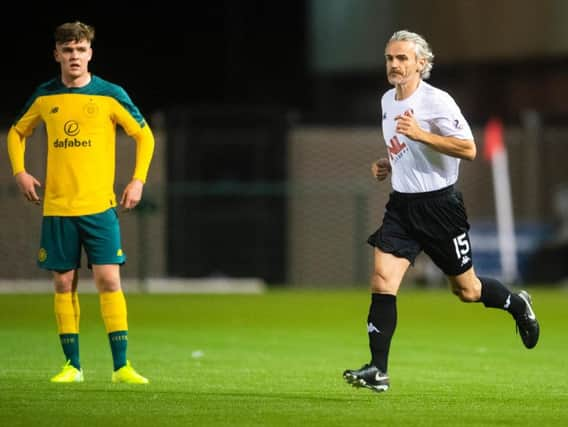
[[372, 328]]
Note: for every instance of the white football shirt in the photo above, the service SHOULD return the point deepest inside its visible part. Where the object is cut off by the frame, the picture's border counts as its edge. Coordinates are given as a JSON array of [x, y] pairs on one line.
[[417, 168]]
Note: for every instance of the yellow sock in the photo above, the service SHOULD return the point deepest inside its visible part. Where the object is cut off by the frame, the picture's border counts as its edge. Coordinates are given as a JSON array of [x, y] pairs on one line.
[[113, 310], [76, 308], [65, 314]]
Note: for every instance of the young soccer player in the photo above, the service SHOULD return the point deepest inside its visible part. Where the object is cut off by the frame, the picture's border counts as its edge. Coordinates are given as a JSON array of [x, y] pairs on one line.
[[80, 112]]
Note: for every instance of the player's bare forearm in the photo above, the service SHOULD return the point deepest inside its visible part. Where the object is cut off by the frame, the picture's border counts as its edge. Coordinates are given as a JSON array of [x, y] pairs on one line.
[[461, 148]]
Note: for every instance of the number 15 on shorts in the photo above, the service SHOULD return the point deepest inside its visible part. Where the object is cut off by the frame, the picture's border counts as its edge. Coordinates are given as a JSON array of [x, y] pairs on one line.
[[461, 245]]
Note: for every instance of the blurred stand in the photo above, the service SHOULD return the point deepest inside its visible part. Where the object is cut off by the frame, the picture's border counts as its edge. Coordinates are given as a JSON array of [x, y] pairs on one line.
[[549, 262]]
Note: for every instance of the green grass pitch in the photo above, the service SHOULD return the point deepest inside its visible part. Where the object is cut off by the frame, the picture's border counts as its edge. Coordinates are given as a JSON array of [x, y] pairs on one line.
[[276, 360]]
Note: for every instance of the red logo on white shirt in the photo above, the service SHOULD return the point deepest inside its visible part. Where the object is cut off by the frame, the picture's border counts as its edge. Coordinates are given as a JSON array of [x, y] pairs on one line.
[[395, 146]]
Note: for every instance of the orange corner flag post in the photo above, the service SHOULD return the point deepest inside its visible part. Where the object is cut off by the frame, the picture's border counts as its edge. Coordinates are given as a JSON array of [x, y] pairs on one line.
[[493, 144], [495, 152]]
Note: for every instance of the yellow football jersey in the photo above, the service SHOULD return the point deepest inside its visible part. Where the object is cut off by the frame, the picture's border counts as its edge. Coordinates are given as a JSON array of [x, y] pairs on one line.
[[81, 137]]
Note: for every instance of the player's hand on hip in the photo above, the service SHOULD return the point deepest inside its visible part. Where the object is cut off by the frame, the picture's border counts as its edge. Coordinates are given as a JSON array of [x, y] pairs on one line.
[[132, 194], [27, 185], [381, 168]]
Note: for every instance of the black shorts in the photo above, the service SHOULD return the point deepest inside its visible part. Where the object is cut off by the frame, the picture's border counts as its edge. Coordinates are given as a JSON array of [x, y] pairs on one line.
[[435, 221]]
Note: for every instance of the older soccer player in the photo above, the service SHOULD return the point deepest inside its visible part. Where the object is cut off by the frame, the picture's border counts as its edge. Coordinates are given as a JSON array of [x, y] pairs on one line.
[[426, 137]]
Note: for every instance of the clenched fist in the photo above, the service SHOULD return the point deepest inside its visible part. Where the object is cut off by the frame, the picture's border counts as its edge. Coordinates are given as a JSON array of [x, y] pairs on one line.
[[381, 168]]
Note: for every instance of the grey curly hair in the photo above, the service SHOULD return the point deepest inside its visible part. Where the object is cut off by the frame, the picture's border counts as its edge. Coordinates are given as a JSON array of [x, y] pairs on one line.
[[422, 49]]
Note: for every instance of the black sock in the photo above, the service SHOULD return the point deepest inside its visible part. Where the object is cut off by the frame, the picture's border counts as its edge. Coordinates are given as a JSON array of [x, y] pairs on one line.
[[381, 324], [494, 294]]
